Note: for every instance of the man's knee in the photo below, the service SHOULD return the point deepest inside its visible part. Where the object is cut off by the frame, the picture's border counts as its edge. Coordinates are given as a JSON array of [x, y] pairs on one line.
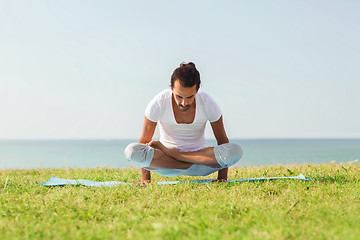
[[228, 154], [139, 154]]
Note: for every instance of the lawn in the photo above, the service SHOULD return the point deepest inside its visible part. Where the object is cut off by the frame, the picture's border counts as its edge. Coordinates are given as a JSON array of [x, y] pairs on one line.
[[326, 208]]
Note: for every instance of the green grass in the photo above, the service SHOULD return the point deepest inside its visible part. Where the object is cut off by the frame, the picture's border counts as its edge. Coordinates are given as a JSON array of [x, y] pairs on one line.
[[327, 208]]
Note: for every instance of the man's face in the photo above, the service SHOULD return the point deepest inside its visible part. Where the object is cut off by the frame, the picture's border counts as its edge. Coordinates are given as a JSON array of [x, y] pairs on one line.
[[183, 96]]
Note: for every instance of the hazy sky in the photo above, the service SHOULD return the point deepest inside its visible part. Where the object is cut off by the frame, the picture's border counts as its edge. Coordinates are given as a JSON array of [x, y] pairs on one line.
[[87, 69]]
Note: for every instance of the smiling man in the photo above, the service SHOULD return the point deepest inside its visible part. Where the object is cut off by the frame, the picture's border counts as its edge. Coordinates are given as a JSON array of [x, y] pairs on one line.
[[182, 113]]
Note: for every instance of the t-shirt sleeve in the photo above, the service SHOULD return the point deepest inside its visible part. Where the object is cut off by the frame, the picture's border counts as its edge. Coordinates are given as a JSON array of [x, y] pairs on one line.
[[213, 110], [153, 109]]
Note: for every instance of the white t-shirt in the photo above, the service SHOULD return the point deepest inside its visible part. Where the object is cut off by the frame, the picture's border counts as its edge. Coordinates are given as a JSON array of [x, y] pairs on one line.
[[185, 137]]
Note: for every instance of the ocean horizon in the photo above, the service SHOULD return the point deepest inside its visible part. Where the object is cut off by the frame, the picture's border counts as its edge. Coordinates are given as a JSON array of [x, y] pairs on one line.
[[92, 153]]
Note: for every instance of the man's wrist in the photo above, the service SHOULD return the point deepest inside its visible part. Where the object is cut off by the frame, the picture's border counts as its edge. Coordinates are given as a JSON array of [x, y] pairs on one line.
[[222, 174], [145, 175]]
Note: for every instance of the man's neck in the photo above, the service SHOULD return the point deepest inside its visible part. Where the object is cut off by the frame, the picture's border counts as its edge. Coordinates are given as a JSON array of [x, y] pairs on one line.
[[185, 117]]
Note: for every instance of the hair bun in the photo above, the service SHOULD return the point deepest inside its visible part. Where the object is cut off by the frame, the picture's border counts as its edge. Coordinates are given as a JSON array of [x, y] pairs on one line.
[[183, 64]]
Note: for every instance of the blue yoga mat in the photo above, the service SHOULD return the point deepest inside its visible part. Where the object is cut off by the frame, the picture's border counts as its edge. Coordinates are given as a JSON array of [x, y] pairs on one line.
[[54, 181]]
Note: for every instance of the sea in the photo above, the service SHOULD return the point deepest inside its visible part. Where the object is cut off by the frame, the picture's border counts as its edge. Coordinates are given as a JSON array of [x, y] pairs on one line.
[[30, 154]]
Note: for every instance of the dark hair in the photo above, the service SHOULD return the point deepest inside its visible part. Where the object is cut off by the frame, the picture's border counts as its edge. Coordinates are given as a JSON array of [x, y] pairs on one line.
[[187, 74]]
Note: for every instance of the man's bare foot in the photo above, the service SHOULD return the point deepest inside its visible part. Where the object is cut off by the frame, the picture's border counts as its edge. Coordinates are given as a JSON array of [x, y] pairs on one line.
[[171, 152], [156, 144]]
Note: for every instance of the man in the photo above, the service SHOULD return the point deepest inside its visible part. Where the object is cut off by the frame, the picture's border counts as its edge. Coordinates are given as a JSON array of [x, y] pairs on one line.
[[182, 113]]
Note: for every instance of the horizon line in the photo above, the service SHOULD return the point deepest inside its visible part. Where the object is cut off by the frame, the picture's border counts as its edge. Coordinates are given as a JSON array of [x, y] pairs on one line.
[[115, 139]]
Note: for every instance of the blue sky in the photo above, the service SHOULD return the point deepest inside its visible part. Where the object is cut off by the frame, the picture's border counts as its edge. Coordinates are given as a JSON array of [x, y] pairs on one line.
[[87, 69]]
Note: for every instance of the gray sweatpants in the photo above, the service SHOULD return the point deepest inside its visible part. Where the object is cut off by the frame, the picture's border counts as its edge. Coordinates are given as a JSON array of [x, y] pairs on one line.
[[226, 154]]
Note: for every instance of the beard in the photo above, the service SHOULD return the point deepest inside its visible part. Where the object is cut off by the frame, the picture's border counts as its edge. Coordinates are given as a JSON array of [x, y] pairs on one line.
[[183, 108]]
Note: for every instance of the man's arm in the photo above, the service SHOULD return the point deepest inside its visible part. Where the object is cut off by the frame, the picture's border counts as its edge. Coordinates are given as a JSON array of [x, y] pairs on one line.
[[146, 136], [221, 138]]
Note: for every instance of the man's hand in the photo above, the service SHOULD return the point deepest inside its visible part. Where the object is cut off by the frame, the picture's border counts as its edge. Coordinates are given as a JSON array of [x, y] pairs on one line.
[[218, 181], [145, 183]]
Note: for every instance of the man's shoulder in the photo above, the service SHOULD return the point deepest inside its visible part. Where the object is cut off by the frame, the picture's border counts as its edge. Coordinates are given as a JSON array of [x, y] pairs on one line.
[[212, 109], [164, 93], [205, 96], [157, 104], [161, 97]]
